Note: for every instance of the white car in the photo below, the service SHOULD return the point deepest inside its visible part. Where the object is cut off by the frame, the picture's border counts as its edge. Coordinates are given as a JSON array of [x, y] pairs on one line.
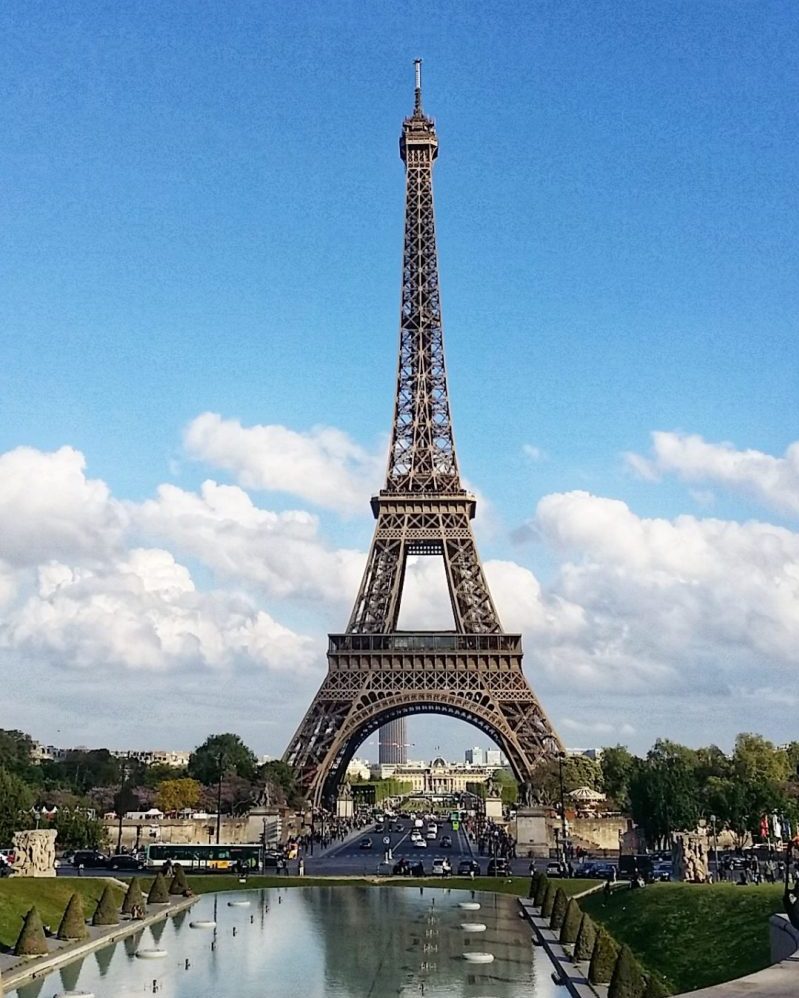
[[441, 867], [431, 836], [419, 844]]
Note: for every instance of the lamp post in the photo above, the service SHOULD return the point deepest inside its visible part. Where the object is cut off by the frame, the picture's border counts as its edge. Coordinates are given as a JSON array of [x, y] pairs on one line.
[[219, 797], [715, 846], [562, 849]]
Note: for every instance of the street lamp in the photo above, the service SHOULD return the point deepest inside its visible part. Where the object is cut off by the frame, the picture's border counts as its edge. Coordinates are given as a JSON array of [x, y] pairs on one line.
[[715, 845], [562, 850], [219, 797]]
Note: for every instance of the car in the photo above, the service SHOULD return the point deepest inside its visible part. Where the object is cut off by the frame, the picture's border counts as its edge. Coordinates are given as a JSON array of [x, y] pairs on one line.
[[397, 828], [662, 871], [467, 867], [498, 867], [441, 867], [446, 842], [431, 836], [554, 869], [416, 835], [88, 857], [365, 844], [124, 861], [419, 844], [604, 870], [401, 869]]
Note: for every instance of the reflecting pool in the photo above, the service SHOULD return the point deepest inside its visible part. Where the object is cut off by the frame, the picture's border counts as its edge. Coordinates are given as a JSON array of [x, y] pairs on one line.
[[343, 942]]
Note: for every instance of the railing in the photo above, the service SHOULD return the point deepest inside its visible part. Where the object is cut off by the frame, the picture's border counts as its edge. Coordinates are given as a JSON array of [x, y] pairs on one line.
[[425, 641]]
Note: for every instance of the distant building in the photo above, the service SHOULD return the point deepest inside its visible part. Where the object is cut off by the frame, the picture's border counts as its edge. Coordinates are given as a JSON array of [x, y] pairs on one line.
[[154, 757], [589, 753], [494, 758], [393, 742], [358, 770], [474, 756]]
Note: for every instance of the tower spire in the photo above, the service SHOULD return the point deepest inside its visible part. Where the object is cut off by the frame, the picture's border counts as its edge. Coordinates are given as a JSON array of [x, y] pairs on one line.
[[417, 101]]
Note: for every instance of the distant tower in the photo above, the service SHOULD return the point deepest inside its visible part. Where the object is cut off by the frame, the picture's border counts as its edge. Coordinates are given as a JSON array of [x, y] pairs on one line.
[[377, 674], [393, 743]]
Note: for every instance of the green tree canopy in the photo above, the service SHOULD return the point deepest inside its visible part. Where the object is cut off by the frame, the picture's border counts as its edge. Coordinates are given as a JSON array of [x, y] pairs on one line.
[[617, 768], [222, 753], [177, 795], [16, 800]]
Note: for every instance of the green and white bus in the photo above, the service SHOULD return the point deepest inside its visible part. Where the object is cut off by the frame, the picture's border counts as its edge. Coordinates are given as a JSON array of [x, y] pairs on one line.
[[203, 857]]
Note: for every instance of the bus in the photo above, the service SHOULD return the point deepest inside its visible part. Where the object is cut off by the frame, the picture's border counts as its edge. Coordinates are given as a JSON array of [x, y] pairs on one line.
[[203, 857]]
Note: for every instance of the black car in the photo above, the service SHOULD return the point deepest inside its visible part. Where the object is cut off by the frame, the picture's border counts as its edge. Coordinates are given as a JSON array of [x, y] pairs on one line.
[[365, 844], [401, 869], [89, 857], [467, 867], [446, 842], [124, 861], [498, 867]]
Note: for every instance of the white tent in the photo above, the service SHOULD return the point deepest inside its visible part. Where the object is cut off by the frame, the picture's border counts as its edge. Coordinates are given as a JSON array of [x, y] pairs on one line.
[[587, 794]]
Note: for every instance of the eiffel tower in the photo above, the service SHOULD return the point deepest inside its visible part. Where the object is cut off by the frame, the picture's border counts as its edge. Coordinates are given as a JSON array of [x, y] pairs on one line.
[[376, 674]]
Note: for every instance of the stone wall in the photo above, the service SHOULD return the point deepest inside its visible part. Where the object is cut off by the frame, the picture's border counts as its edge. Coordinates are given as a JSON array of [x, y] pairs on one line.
[[600, 832]]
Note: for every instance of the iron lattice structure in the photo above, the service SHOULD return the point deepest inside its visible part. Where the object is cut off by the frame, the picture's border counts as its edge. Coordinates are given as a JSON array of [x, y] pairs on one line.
[[377, 674]]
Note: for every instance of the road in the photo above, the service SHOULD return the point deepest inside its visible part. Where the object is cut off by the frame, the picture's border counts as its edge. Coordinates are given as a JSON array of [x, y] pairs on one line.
[[349, 858]]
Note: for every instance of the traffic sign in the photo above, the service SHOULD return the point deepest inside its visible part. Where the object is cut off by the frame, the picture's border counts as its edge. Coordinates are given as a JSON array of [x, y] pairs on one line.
[[386, 840]]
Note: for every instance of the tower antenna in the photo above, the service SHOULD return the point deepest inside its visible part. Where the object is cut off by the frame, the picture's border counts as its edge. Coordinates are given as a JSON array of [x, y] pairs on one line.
[[417, 103]]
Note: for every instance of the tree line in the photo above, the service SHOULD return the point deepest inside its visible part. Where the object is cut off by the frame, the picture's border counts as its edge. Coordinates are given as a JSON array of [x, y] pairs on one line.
[[94, 781]]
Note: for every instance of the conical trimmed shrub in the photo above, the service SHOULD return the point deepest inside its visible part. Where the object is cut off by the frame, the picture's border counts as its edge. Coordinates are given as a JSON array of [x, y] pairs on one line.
[[571, 923], [586, 939], [541, 890], [159, 892], [603, 959], [549, 901], [179, 883], [31, 941], [627, 980], [73, 923], [654, 989], [533, 884], [106, 912], [558, 909], [134, 898]]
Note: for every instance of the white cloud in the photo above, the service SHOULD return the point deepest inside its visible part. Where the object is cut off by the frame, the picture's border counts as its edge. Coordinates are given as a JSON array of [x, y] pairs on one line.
[[771, 480], [533, 453], [323, 466], [144, 612], [282, 553], [673, 604], [50, 509]]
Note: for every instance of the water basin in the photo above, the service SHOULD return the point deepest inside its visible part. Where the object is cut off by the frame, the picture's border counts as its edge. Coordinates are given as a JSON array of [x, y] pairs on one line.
[[321, 942]]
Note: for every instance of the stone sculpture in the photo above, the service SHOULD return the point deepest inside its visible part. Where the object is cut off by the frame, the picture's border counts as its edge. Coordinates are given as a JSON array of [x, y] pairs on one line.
[[34, 853], [690, 858]]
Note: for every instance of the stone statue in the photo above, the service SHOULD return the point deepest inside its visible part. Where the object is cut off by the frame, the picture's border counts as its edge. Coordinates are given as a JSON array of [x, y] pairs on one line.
[[345, 791], [690, 858], [34, 853]]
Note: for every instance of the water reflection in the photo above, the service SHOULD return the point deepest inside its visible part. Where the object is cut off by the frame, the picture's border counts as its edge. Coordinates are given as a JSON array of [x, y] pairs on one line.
[[330, 942]]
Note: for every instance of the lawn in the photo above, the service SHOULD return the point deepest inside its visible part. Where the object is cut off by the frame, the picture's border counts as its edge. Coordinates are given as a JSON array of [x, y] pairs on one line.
[[50, 895], [694, 935]]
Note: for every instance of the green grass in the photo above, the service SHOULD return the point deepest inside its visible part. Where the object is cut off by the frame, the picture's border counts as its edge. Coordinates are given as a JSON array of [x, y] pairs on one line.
[[693, 935], [50, 895]]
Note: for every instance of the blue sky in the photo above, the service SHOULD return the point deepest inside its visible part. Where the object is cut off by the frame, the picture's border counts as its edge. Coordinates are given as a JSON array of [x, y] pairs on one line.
[[204, 212]]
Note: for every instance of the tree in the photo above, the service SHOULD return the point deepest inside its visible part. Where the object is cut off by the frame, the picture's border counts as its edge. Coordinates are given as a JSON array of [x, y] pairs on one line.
[[73, 924], [76, 830], [664, 795], [16, 801], [133, 898], [508, 787], [222, 754], [627, 980], [106, 911], [586, 939], [541, 891], [603, 959], [280, 781], [654, 989], [159, 892], [617, 767], [179, 883], [571, 923], [549, 900], [558, 909], [31, 941], [178, 795], [16, 755]]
